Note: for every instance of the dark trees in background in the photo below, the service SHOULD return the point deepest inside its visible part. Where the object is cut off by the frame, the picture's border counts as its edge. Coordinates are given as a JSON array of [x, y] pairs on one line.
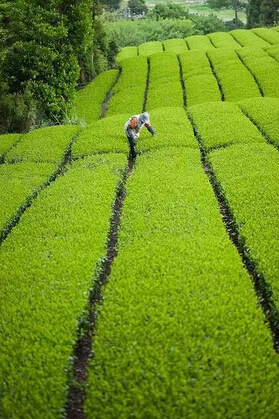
[[253, 13], [46, 48], [137, 6], [262, 13]]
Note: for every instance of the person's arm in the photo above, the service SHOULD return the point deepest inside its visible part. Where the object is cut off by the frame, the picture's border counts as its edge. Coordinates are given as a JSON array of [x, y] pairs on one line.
[[150, 129]]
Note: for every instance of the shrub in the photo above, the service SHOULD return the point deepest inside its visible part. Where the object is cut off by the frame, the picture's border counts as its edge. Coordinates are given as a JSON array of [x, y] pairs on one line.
[[175, 45], [199, 42], [223, 40], [179, 328], [47, 271], [221, 124], [268, 35], [234, 78], [246, 38], [7, 142], [127, 52], [149, 48], [200, 84], [273, 51]]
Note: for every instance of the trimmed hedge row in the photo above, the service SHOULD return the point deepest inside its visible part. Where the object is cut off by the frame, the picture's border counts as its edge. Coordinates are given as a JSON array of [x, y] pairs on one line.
[[149, 48], [223, 40], [221, 123], [248, 175], [235, 80], [127, 52], [200, 84], [273, 51], [199, 42], [264, 112], [173, 129], [7, 141], [128, 93], [272, 37], [248, 38], [164, 82], [47, 265], [104, 136], [180, 328], [175, 45], [17, 183], [90, 99], [44, 145], [263, 67]]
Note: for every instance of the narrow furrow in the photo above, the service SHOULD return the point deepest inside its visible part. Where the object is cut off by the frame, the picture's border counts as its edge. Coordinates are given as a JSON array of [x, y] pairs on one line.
[[147, 86], [62, 167], [82, 352], [261, 287], [182, 83], [108, 95]]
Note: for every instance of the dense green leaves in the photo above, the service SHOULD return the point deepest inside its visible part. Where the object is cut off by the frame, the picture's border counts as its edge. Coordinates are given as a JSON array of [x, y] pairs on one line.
[[43, 145], [219, 124], [175, 45], [199, 42], [270, 36], [149, 48], [248, 175], [7, 141], [264, 113], [223, 40], [127, 52], [179, 328], [90, 99], [47, 266], [234, 78], [248, 38], [200, 84], [164, 89]]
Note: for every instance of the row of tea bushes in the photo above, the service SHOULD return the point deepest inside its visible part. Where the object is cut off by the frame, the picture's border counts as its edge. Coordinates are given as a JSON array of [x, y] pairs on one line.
[[175, 45], [235, 79], [263, 67], [199, 81], [199, 43], [90, 99], [223, 40], [129, 93], [180, 333], [273, 51], [221, 124], [47, 270], [272, 37], [248, 175], [164, 87], [43, 145], [247, 38], [264, 112], [149, 48], [7, 141]]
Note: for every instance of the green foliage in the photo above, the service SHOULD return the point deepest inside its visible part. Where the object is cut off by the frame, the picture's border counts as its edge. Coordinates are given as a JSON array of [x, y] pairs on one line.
[[223, 40], [235, 80], [104, 136], [17, 183], [264, 113], [270, 36], [137, 6], [262, 66], [273, 51], [6, 142], [221, 124], [164, 89], [253, 13], [199, 42], [127, 52], [43, 145], [175, 45], [89, 100], [47, 266], [249, 176], [200, 84], [149, 48], [248, 38], [129, 33], [269, 12], [207, 24], [128, 93], [173, 129], [179, 328], [169, 11]]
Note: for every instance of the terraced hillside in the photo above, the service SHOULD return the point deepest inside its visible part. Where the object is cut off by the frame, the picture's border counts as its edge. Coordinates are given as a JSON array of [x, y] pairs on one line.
[[148, 288]]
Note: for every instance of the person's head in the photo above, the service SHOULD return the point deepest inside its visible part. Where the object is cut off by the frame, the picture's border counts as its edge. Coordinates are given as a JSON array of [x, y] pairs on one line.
[[144, 117]]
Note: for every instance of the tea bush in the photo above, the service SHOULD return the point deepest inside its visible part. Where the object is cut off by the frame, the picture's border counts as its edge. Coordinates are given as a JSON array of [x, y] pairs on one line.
[[223, 40], [199, 42], [248, 38]]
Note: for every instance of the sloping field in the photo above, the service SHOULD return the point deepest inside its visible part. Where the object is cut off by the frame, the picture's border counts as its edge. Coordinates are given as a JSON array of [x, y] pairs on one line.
[[148, 288]]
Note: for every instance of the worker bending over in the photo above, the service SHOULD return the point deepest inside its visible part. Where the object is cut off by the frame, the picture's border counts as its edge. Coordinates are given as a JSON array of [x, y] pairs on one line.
[[133, 127]]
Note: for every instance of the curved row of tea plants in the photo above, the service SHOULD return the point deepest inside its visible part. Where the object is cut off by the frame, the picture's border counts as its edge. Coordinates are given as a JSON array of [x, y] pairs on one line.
[[47, 270], [247, 38], [128, 93], [273, 51], [164, 87], [90, 99], [180, 333], [199, 81], [264, 112], [8, 141], [234, 78], [263, 67]]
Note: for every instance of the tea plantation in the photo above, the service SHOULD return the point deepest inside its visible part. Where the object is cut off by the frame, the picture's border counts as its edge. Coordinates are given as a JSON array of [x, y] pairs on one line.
[[148, 289]]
